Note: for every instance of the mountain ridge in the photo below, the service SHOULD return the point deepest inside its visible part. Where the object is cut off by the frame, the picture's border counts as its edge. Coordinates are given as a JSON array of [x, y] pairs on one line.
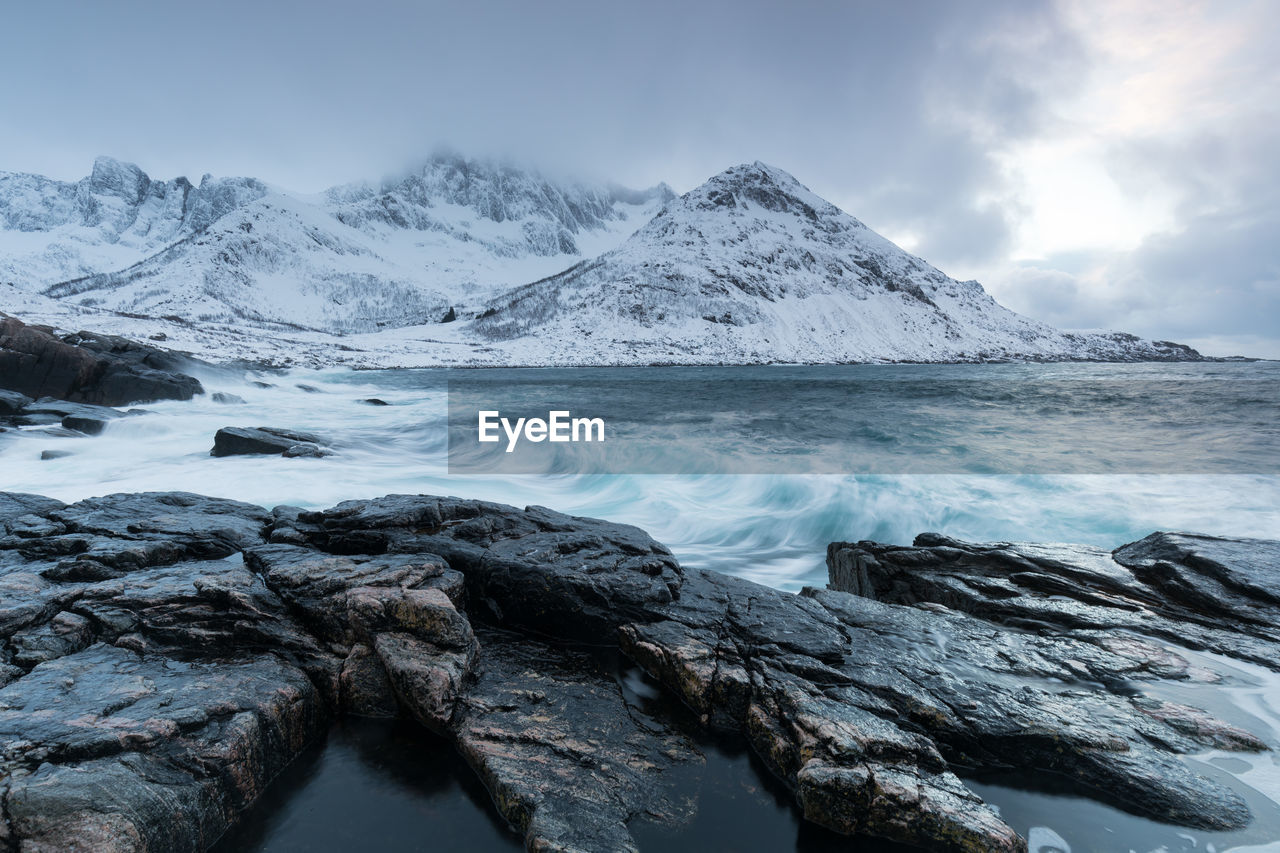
[[357, 257], [115, 216], [795, 278], [478, 262]]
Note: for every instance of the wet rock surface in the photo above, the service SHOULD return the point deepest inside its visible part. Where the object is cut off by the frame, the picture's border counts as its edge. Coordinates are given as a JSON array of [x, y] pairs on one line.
[[246, 441], [64, 419], [569, 762], [11, 402], [1221, 595], [85, 367], [165, 655]]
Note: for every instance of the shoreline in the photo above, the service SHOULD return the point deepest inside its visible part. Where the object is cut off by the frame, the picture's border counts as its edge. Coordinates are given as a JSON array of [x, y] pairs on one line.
[[332, 345]]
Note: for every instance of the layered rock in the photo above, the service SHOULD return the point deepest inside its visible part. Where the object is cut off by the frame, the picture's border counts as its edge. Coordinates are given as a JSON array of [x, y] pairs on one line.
[[177, 651], [247, 441], [1200, 591], [89, 368], [569, 762]]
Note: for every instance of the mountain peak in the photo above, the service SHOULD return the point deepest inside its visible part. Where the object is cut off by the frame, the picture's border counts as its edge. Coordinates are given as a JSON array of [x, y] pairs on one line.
[[758, 185], [115, 177], [759, 172]]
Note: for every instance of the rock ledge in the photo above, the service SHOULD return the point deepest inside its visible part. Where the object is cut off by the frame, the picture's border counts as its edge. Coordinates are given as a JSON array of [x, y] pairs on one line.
[[176, 651]]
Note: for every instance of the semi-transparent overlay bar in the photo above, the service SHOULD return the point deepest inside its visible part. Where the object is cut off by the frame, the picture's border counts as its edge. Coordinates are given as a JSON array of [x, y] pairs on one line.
[[785, 421]]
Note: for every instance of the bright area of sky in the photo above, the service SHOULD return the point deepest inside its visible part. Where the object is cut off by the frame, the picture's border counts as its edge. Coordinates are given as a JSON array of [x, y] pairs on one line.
[[1094, 164]]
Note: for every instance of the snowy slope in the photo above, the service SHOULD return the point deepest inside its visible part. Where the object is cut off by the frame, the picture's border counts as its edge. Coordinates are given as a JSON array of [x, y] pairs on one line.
[[277, 261], [51, 231], [753, 267], [357, 258]]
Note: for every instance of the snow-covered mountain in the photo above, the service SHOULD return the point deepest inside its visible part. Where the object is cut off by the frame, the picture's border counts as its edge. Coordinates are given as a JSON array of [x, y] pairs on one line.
[[51, 231], [358, 258], [434, 268], [512, 212], [753, 267]]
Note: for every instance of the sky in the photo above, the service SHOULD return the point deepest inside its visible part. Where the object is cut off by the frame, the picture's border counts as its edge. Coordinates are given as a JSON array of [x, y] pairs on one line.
[[1094, 164]]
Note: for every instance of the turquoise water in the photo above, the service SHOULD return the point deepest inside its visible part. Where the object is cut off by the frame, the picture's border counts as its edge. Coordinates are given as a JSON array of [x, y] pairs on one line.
[[906, 476]]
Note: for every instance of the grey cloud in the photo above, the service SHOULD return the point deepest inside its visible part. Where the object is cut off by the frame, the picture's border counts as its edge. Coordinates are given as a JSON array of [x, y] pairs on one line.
[[1051, 295], [1214, 283], [312, 94], [894, 111], [888, 109], [1217, 275]]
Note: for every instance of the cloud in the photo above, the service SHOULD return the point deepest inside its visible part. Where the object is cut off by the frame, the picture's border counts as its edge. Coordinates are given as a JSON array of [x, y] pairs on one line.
[[1152, 205], [1051, 295], [1095, 163], [1213, 283], [986, 82]]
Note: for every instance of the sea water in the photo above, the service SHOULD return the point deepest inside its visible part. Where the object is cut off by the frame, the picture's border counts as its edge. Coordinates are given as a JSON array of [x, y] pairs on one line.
[[938, 448]]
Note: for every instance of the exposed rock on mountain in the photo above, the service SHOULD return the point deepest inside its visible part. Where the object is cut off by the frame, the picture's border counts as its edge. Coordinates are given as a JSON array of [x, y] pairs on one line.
[[550, 216], [165, 654], [52, 231]]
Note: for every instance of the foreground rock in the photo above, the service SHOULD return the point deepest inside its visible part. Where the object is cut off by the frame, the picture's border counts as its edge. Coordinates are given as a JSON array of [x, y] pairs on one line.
[[89, 368], [11, 402], [175, 651], [1205, 592], [246, 441], [60, 419], [568, 760]]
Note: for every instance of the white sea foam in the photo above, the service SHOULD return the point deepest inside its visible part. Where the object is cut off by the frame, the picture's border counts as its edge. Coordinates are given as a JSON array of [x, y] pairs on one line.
[[769, 528]]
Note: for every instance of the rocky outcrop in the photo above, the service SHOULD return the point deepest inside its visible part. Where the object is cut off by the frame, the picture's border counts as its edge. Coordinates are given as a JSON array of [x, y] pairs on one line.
[[1204, 592], [247, 441], [11, 402], [89, 368], [176, 651], [58, 419], [83, 418], [570, 763]]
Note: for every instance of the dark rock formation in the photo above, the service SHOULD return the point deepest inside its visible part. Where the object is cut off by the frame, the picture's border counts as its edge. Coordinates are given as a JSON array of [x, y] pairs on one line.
[[1221, 595], [239, 441], [89, 368], [60, 419], [11, 402], [112, 749], [82, 417], [166, 654], [228, 399]]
